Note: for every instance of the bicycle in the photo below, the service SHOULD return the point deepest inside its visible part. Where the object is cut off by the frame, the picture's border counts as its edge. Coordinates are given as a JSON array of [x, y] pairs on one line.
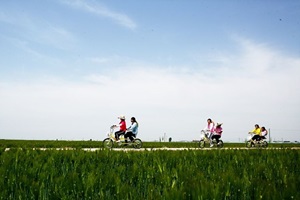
[[206, 140], [253, 143], [110, 141]]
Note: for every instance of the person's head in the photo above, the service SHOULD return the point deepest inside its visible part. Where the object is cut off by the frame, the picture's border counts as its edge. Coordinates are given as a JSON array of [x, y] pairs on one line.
[[122, 117], [256, 126], [209, 120], [133, 119], [219, 124], [263, 128]]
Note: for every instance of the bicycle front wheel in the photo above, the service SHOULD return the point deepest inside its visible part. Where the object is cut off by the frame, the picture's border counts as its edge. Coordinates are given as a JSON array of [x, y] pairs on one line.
[[249, 144], [202, 144], [108, 143]]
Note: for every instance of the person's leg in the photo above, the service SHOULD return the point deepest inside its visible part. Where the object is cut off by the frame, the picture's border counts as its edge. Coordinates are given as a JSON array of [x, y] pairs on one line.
[[212, 138], [218, 138], [255, 137], [131, 136], [118, 134], [121, 133], [127, 135]]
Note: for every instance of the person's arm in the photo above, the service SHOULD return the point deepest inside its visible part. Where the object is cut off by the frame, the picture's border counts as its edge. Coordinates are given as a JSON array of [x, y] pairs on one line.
[[253, 131]]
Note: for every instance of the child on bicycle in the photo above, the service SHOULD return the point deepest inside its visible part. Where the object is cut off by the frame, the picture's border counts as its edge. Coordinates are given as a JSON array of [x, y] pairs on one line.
[[217, 133], [263, 133], [122, 125]]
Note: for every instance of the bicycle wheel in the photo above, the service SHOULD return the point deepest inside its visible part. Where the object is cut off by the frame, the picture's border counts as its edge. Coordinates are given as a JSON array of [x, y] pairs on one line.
[[137, 143], [248, 144], [265, 144], [202, 144], [108, 143], [220, 144]]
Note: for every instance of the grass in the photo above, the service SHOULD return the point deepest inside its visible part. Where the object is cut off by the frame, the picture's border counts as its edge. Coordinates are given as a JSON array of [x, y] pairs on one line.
[[230, 174]]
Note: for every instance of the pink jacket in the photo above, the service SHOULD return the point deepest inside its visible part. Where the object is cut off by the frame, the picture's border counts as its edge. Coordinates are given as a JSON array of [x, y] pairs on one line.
[[218, 131]]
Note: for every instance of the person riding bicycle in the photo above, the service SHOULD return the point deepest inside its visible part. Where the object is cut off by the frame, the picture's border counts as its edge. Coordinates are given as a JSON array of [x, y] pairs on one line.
[[209, 128], [256, 131], [122, 125], [132, 130], [217, 133], [263, 133]]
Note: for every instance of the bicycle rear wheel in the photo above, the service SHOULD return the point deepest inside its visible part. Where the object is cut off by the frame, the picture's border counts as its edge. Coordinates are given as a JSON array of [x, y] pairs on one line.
[[137, 143], [264, 144], [220, 144]]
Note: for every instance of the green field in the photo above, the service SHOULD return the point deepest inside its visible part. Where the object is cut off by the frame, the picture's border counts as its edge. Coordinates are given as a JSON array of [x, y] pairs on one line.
[[188, 174]]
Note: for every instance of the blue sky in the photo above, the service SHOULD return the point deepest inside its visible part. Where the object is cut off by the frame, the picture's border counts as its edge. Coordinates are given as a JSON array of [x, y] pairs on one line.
[[69, 68]]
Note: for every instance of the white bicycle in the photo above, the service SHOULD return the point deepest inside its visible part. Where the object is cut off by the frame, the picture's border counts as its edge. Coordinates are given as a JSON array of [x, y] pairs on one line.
[[110, 141], [204, 139], [254, 143]]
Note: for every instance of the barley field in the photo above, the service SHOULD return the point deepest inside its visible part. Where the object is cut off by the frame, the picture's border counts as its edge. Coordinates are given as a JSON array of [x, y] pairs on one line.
[[188, 174]]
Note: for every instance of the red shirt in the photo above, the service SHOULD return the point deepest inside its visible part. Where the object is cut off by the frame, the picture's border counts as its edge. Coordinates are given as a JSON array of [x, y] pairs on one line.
[[122, 125]]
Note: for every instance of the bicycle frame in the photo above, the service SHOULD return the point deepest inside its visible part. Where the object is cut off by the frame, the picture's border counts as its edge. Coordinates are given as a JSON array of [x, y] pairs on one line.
[[205, 135]]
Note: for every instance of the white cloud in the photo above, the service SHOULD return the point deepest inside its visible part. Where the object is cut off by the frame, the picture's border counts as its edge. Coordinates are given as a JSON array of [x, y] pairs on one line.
[[258, 85], [103, 11], [36, 31]]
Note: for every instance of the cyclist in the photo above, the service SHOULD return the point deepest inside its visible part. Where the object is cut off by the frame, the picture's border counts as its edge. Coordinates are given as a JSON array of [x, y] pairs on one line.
[[132, 130], [209, 128], [256, 131], [263, 133], [122, 125], [217, 133]]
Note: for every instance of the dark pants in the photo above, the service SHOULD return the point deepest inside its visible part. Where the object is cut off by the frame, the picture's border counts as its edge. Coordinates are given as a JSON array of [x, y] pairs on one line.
[[118, 133], [256, 137], [217, 137], [129, 135], [263, 137]]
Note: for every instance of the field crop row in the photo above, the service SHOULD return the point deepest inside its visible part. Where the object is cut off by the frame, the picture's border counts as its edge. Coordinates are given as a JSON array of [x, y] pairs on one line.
[[230, 174]]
